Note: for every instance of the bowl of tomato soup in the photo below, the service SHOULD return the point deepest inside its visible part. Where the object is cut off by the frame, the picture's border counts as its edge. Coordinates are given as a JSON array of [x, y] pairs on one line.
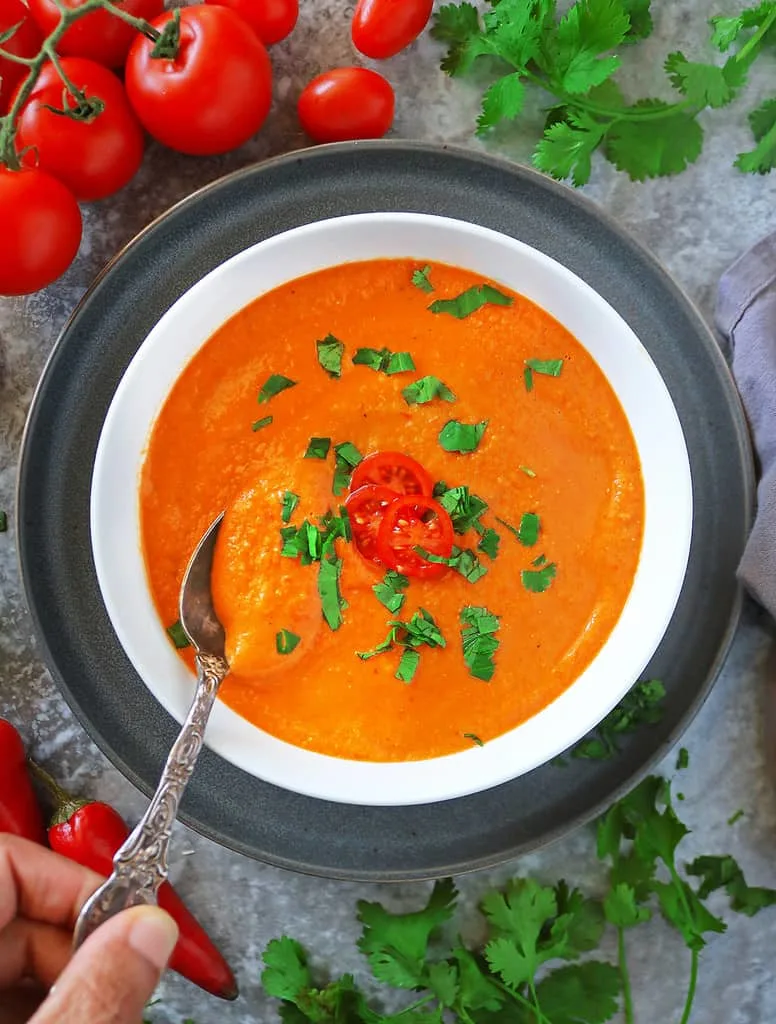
[[457, 499]]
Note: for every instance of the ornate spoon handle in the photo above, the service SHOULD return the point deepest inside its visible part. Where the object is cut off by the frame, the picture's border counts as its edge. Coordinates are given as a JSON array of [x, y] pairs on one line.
[[140, 865]]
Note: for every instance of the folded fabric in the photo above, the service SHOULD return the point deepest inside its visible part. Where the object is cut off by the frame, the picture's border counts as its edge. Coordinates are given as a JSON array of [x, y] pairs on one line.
[[746, 315]]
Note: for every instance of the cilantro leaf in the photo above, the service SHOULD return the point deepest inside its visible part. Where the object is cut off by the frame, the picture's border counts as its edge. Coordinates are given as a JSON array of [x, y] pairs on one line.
[[396, 945], [389, 591], [408, 665], [566, 150], [286, 974], [286, 641], [458, 25], [273, 385], [580, 993], [318, 448], [464, 507], [503, 101], [762, 158], [426, 389], [462, 437], [520, 916], [474, 738], [346, 458], [477, 991], [489, 542], [470, 301], [587, 30], [382, 360], [178, 635], [478, 640], [330, 351], [651, 148], [263, 422], [463, 561], [289, 501], [539, 580], [332, 603], [641, 24], [640, 706], [420, 278], [528, 531], [622, 908], [724, 873], [682, 758], [728, 29], [704, 84], [736, 816]]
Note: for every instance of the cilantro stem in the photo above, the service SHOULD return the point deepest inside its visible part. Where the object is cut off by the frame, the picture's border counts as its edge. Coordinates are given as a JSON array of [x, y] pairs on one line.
[[691, 989], [752, 43], [518, 998], [622, 962]]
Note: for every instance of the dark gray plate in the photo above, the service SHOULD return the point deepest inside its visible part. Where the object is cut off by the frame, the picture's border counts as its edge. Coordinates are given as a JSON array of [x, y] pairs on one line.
[[77, 386]]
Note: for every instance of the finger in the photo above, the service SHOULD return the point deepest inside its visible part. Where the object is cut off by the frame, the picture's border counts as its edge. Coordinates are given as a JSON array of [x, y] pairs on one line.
[[113, 975], [41, 885], [31, 948]]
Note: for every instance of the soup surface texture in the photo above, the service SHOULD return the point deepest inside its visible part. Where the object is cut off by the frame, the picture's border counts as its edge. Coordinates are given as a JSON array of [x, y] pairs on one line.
[[556, 466]]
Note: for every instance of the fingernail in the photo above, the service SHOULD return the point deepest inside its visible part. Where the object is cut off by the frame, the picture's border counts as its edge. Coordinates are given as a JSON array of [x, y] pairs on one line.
[[153, 935]]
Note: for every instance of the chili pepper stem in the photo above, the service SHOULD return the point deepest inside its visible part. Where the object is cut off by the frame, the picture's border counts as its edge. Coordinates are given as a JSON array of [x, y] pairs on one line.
[[66, 803]]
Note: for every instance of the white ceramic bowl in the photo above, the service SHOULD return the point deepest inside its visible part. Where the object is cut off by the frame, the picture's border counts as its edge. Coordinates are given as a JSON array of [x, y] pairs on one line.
[[187, 325]]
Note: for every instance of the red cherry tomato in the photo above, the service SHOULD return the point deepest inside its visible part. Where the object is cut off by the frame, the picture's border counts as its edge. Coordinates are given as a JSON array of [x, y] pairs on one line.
[[94, 157], [366, 507], [381, 28], [271, 20], [214, 95], [346, 103], [41, 230], [411, 522], [98, 36], [394, 470], [25, 42]]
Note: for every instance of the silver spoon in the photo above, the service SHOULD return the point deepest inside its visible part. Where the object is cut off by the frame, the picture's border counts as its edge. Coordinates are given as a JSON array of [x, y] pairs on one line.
[[140, 866]]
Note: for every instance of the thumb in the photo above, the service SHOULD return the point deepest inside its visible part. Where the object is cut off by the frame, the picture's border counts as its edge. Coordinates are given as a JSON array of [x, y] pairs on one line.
[[113, 975]]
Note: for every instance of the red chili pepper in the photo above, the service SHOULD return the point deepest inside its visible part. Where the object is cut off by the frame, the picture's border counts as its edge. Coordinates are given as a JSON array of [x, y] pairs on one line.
[[90, 832], [19, 811]]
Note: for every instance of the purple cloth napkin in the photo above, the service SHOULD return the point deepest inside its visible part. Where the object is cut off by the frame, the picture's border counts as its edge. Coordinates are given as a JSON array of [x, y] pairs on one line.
[[746, 314]]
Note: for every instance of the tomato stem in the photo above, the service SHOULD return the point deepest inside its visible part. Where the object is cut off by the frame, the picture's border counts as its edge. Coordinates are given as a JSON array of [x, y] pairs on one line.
[[67, 17]]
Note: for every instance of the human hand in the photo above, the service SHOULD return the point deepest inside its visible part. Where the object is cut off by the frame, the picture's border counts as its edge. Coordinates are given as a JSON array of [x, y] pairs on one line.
[[108, 980]]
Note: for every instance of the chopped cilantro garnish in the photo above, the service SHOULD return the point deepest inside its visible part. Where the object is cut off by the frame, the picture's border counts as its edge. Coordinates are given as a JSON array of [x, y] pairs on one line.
[[426, 389], [421, 630], [479, 627], [420, 278], [548, 367], [463, 561], [289, 502], [274, 385], [3, 522], [330, 351], [470, 301], [384, 361], [489, 543], [539, 560], [539, 580], [474, 738], [528, 531], [178, 636], [682, 758], [464, 507], [318, 448], [739, 814], [462, 437], [264, 422], [640, 706], [527, 470], [286, 641], [308, 542], [408, 665], [332, 602], [346, 458], [389, 591]]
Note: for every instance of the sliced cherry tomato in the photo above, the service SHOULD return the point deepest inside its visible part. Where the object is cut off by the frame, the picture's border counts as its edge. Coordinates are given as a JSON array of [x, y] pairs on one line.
[[99, 36], [399, 472], [366, 508], [41, 230], [345, 104], [381, 28], [217, 91], [411, 522], [94, 155], [25, 42], [271, 20]]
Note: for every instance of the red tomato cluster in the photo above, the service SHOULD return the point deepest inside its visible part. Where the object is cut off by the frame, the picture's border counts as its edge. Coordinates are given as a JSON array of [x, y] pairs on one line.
[[392, 514], [207, 91]]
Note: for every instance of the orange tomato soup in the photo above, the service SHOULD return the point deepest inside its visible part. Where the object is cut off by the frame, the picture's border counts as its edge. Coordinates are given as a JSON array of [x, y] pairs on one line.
[[562, 450]]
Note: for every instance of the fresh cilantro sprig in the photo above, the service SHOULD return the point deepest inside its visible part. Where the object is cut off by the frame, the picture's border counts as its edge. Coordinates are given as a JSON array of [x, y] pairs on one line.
[[572, 57]]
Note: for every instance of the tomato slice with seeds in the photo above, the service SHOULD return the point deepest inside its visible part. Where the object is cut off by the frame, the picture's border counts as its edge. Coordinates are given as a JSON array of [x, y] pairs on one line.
[[395, 470], [365, 508], [411, 522]]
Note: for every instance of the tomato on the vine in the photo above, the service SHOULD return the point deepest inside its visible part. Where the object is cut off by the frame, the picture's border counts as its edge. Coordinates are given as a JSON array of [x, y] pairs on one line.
[[99, 36], [381, 28], [411, 522], [271, 20], [346, 103], [214, 94], [25, 42], [365, 507], [95, 153], [41, 230], [398, 472]]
